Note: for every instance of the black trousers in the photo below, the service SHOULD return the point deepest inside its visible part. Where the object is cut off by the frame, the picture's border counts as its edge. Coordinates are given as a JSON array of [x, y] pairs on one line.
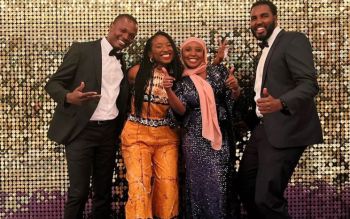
[[91, 156], [264, 174]]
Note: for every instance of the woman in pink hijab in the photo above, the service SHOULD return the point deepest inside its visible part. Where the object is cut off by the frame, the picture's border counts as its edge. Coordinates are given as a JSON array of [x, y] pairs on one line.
[[205, 97]]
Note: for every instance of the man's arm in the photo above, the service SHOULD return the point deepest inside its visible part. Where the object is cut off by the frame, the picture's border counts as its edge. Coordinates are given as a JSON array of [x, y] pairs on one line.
[[58, 85], [300, 63]]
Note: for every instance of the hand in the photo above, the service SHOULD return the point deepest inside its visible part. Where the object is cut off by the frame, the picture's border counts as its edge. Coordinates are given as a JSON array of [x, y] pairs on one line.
[[222, 51], [77, 96], [231, 82], [268, 104], [168, 80], [37, 107]]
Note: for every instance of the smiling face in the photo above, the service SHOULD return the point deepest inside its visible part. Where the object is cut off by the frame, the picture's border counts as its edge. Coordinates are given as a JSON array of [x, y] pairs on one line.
[[193, 55], [121, 33], [262, 22], [162, 51]]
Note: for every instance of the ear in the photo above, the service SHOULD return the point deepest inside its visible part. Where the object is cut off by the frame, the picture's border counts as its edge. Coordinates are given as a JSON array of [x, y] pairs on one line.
[[150, 55], [110, 27]]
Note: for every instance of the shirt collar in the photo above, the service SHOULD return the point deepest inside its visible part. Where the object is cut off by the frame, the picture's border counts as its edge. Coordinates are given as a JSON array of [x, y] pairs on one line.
[[273, 36], [106, 45]]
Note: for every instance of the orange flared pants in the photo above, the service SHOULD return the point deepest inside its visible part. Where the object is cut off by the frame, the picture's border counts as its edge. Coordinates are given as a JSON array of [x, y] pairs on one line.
[[151, 158]]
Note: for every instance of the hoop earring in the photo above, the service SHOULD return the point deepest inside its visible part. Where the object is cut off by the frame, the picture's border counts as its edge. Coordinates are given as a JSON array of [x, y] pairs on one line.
[[151, 60]]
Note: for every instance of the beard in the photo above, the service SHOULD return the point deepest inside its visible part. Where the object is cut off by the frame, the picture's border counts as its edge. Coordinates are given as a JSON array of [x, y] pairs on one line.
[[269, 31]]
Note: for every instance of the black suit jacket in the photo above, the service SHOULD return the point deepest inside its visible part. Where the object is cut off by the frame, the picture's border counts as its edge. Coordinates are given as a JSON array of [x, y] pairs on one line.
[[289, 74], [82, 63]]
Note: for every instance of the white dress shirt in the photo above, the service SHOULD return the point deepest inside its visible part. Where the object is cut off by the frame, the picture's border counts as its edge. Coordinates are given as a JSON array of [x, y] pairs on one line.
[[260, 68], [112, 76]]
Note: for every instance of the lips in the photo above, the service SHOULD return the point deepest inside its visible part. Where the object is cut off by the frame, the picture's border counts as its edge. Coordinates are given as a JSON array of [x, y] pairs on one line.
[[192, 60], [166, 56], [260, 30], [122, 42]]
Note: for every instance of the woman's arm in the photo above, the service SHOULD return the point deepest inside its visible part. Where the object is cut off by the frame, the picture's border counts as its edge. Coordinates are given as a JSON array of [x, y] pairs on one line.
[[132, 73], [173, 100], [221, 53]]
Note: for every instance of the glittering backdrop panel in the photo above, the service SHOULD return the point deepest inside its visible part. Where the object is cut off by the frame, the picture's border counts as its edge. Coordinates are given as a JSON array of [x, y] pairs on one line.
[[35, 35]]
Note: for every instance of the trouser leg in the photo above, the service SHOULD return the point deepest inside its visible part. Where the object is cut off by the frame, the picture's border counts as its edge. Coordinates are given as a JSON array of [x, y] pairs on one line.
[[276, 167], [79, 162], [102, 180], [165, 189], [247, 178], [137, 160], [264, 175]]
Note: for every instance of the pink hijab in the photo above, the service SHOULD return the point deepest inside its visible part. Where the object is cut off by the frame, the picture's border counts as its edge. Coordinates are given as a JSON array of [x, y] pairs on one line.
[[210, 124]]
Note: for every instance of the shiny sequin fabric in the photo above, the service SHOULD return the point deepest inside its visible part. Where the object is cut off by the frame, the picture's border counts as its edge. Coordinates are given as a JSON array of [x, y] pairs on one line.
[[208, 172], [35, 37]]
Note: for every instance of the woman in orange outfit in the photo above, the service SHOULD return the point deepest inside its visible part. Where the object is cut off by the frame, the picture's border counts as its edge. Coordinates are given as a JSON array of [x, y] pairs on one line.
[[149, 142]]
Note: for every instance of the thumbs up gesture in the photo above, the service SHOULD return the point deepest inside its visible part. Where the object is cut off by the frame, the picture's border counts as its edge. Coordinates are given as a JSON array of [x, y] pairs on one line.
[[168, 80], [267, 103], [232, 83], [77, 96]]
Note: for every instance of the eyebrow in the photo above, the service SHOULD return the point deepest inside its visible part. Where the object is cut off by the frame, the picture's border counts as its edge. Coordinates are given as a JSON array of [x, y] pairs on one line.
[[262, 14], [167, 43], [194, 47]]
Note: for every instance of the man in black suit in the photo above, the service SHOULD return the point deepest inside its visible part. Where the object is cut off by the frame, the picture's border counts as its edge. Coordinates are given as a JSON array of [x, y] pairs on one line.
[[92, 95], [285, 87]]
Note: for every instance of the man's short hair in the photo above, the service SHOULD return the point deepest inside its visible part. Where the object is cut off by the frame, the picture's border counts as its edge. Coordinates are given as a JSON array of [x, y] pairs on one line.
[[127, 16], [272, 6]]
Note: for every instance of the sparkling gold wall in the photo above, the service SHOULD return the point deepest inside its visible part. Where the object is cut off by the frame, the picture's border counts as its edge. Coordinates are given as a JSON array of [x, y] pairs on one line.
[[35, 34]]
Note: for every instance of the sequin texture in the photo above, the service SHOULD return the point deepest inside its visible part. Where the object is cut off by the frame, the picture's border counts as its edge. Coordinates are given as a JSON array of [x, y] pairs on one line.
[[208, 172]]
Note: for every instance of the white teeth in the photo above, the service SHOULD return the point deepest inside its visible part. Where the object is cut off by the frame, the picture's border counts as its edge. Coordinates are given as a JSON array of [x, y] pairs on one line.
[[166, 55], [122, 42], [193, 60]]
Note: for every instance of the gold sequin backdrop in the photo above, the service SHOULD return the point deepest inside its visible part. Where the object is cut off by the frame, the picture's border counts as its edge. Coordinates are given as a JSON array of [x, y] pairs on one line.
[[35, 35]]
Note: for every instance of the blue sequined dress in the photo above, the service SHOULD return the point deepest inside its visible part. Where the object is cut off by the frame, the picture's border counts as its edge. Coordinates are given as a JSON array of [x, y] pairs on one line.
[[208, 172]]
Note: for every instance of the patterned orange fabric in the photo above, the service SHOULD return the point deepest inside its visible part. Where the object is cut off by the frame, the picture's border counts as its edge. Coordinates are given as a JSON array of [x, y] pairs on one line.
[[150, 155]]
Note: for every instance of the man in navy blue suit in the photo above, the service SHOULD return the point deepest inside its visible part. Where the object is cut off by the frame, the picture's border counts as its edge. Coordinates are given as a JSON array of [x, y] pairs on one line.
[[285, 87]]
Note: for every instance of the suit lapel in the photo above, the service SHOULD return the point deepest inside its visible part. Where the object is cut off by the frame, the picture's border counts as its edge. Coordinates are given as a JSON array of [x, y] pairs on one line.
[[123, 64], [123, 99], [269, 55], [98, 62], [122, 83]]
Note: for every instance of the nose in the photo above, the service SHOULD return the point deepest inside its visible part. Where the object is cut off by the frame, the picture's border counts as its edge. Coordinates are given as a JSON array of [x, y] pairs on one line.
[[166, 48], [193, 53], [258, 21]]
